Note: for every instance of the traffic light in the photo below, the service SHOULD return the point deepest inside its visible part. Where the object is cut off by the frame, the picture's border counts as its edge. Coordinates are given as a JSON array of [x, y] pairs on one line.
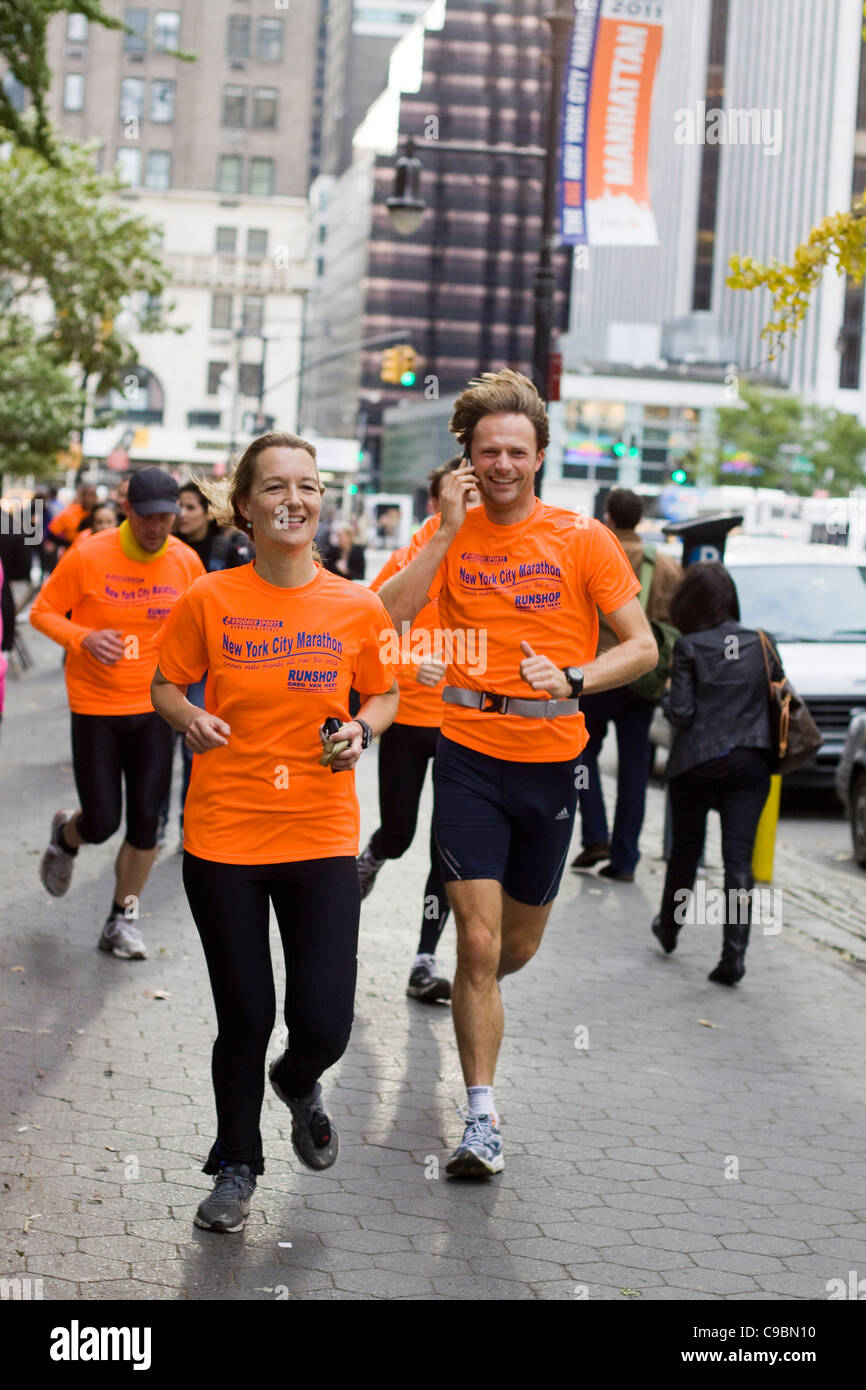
[[617, 449], [398, 365], [679, 476]]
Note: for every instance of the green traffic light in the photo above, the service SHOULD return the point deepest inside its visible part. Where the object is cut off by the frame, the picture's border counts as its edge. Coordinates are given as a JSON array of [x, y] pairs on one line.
[[408, 379], [634, 452], [353, 489], [679, 475], [619, 449]]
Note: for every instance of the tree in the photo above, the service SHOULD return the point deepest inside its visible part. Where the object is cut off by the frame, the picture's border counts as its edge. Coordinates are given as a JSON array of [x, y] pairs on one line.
[[24, 49], [38, 402], [797, 446], [73, 259]]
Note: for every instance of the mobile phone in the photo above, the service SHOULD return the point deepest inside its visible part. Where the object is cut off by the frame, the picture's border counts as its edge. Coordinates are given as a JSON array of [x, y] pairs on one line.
[[331, 749]]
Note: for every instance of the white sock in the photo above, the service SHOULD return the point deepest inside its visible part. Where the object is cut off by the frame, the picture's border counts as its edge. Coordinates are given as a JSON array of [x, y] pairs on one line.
[[425, 960], [481, 1102]]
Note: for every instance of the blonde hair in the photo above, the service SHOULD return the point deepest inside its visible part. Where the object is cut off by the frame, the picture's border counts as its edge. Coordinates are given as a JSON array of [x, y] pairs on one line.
[[224, 494], [499, 393]]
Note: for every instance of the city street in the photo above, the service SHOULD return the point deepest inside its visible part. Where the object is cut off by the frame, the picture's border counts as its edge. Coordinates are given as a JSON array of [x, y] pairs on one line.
[[665, 1138]]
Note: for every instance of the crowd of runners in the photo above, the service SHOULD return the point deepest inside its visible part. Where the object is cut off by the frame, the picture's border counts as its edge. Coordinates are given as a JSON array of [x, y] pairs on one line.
[[471, 651]]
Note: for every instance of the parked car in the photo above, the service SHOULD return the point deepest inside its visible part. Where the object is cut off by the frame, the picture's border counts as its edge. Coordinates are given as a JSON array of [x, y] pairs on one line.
[[812, 600], [851, 783]]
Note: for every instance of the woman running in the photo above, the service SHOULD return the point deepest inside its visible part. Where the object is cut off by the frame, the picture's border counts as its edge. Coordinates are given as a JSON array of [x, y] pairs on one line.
[[265, 821]]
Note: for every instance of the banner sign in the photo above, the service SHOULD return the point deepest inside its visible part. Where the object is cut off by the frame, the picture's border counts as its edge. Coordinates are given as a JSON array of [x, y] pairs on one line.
[[606, 123]]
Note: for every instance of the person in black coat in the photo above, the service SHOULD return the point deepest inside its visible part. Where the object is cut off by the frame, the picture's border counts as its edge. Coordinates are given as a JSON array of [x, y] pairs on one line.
[[345, 557], [718, 703]]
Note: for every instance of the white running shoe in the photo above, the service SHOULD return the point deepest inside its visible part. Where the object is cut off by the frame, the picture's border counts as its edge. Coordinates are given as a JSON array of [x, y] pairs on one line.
[[56, 864], [122, 938]]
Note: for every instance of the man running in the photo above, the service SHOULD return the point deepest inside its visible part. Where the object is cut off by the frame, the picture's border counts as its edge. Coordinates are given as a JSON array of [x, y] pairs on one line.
[[119, 586], [527, 578], [404, 752]]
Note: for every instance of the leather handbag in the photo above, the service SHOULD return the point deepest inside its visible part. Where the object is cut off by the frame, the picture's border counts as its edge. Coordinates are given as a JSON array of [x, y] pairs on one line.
[[796, 736]]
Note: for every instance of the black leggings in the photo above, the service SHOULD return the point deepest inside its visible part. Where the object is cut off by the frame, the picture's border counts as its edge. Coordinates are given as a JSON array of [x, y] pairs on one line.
[[404, 752], [736, 786], [317, 904], [109, 750]]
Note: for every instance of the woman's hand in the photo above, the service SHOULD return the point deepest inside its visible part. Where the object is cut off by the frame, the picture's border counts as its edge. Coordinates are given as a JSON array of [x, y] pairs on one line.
[[206, 732], [353, 734]]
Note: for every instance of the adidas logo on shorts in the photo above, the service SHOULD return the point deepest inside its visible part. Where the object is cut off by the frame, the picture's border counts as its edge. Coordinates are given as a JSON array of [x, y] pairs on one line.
[[562, 815]]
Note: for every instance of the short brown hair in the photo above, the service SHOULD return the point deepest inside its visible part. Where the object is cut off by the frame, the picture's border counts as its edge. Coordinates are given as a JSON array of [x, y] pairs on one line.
[[438, 474], [224, 496], [499, 393]]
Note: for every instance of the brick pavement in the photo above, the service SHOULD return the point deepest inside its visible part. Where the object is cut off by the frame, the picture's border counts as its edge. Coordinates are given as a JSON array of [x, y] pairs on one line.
[[617, 1152]]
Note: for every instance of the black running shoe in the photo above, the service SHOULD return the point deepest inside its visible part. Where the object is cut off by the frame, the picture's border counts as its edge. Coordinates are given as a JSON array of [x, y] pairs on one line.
[[368, 867], [314, 1137], [228, 1206], [424, 983]]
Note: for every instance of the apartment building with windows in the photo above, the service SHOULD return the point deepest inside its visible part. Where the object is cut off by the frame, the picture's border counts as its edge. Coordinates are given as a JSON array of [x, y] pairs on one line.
[[216, 151]]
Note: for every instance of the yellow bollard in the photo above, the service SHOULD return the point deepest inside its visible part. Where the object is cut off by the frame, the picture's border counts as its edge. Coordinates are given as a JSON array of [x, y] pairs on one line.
[[765, 840]]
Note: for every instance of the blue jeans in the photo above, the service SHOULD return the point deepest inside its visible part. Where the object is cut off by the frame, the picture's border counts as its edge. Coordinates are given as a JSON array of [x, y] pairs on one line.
[[631, 717]]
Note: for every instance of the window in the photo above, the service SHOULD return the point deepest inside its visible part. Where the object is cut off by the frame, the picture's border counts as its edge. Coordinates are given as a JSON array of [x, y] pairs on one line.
[[14, 91], [73, 92], [76, 28], [270, 36], [166, 30], [257, 243], [136, 42], [162, 100], [221, 311], [157, 172], [131, 98], [265, 108], [129, 166], [251, 379], [214, 372], [238, 37], [229, 173], [260, 179], [226, 239], [252, 313], [234, 107]]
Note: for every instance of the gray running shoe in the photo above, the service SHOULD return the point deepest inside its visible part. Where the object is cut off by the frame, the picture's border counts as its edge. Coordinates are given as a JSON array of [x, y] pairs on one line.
[[425, 983], [368, 867], [479, 1153], [228, 1206], [56, 865], [314, 1138], [122, 938]]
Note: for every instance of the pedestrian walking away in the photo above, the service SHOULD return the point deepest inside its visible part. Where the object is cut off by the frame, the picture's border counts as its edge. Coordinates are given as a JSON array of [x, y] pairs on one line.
[[218, 548], [404, 752], [517, 583], [720, 758], [118, 586], [629, 712], [271, 815]]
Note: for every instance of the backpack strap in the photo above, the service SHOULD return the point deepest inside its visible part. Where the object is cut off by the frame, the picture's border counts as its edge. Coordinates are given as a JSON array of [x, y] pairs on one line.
[[647, 570]]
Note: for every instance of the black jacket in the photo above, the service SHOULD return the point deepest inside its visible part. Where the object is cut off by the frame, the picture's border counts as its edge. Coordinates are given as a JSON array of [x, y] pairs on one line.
[[223, 548], [718, 697]]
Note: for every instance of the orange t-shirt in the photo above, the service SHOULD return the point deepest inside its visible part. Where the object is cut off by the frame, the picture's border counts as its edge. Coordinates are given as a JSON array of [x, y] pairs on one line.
[[420, 705], [66, 523], [540, 581], [280, 662], [104, 588]]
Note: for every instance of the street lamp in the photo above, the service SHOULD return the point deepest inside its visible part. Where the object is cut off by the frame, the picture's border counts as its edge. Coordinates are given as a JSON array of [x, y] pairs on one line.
[[406, 206]]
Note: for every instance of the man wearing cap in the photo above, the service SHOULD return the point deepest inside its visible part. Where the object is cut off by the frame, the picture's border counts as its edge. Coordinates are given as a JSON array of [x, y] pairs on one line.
[[118, 587]]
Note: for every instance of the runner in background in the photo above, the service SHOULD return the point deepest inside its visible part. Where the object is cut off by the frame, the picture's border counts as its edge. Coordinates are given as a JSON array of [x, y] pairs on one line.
[[62, 530], [522, 582], [404, 752], [119, 587], [282, 641]]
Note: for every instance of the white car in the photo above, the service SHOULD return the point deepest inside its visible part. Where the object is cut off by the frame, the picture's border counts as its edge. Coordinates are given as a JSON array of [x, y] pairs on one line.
[[812, 600]]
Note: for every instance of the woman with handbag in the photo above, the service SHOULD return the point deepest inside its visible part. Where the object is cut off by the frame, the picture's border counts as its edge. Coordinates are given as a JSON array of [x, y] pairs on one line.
[[723, 752]]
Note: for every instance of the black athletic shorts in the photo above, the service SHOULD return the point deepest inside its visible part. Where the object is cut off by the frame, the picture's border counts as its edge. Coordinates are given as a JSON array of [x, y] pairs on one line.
[[502, 820]]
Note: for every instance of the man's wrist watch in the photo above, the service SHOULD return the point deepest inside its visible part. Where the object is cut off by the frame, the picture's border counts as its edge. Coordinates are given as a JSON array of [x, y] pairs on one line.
[[574, 676], [366, 733]]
